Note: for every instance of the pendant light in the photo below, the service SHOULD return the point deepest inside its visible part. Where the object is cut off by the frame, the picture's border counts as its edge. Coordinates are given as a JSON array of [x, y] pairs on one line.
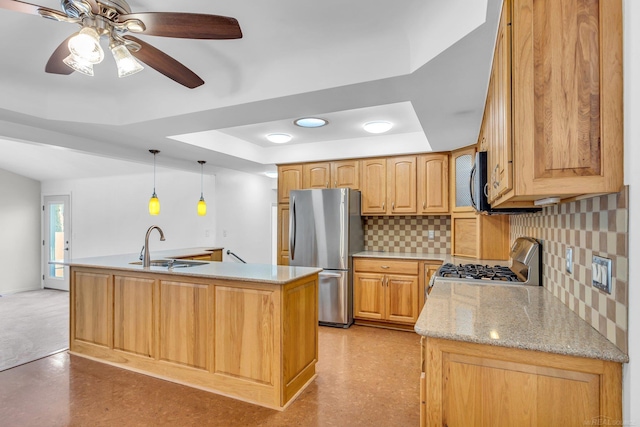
[[154, 203], [202, 205]]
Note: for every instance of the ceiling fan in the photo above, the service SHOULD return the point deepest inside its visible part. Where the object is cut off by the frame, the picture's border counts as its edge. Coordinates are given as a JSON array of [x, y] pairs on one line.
[[113, 19]]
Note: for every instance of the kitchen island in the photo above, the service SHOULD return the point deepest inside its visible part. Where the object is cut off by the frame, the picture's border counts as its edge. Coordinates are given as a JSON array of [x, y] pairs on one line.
[[247, 331], [513, 355]]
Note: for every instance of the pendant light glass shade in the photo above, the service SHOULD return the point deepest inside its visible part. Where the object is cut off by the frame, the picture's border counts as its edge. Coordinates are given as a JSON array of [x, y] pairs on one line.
[[86, 45], [154, 203], [202, 205]]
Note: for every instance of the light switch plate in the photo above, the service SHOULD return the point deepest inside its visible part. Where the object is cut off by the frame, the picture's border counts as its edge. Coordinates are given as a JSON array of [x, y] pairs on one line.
[[569, 260], [601, 273]]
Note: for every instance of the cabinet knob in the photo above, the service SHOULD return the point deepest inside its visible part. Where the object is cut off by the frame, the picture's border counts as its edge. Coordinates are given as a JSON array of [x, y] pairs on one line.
[[327, 184], [393, 205], [382, 205], [335, 184], [384, 266], [423, 205]]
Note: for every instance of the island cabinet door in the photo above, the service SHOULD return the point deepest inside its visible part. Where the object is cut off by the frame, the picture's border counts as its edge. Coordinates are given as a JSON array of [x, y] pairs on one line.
[[185, 323], [91, 302], [133, 315]]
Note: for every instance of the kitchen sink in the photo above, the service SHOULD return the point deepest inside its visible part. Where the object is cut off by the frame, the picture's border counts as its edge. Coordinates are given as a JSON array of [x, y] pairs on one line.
[[172, 263]]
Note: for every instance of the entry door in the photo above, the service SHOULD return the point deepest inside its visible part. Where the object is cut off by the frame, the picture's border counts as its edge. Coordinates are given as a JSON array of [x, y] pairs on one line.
[[57, 235]]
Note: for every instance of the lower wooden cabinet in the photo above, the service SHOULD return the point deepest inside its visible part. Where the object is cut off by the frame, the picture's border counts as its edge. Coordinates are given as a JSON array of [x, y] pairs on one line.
[[465, 384], [386, 291]]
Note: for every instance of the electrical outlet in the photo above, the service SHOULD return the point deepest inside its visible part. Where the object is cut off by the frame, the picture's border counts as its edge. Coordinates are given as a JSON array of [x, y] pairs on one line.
[[601, 273], [569, 260], [224, 233], [206, 233], [431, 234]]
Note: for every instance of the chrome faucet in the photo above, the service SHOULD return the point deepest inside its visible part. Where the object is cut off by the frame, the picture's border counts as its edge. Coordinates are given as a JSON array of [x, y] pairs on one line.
[[146, 262]]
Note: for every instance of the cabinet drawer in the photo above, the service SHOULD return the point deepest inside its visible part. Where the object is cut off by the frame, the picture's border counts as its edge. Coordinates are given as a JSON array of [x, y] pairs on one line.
[[386, 266]]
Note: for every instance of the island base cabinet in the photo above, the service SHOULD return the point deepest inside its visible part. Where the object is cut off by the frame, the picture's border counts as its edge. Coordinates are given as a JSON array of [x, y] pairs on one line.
[[465, 384], [253, 341]]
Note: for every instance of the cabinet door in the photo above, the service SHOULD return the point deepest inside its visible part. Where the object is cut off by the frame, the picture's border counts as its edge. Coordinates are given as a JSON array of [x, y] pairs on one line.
[[92, 308], [433, 183], [401, 183], [464, 236], [346, 174], [374, 186], [289, 178], [461, 163], [567, 94], [316, 175], [283, 234], [368, 296], [133, 316], [401, 298], [500, 160]]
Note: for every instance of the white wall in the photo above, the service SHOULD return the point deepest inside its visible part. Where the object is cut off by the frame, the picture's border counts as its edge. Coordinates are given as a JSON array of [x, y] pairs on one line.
[[110, 215], [631, 373], [19, 233], [243, 213]]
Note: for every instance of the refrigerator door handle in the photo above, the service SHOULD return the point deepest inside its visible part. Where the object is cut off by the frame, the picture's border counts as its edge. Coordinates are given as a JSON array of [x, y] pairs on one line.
[[292, 229], [323, 273]]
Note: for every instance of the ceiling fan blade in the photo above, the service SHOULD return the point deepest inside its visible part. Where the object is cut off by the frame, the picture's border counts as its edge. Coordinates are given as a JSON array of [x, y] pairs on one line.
[[165, 64], [55, 64], [20, 6], [186, 25]]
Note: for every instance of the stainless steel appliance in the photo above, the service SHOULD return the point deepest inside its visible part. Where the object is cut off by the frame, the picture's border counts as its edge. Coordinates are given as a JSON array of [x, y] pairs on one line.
[[325, 229], [479, 188], [524, 269]]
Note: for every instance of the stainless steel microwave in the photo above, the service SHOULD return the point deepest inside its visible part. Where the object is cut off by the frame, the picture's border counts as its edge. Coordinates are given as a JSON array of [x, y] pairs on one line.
[[479, 189]]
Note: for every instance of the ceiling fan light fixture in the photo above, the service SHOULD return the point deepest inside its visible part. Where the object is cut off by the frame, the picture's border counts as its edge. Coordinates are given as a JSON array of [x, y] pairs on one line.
[[126, 63], [279, 138], [78, 64], [86, 45]]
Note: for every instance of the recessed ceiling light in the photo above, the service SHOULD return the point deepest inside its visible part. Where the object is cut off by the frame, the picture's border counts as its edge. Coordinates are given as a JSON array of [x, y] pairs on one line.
[[271, 174], [279, 138], [310, 122], [377, 126]]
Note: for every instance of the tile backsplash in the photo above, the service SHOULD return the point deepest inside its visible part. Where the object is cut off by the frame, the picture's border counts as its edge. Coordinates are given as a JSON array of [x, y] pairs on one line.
[[408, 234], [595, 226]]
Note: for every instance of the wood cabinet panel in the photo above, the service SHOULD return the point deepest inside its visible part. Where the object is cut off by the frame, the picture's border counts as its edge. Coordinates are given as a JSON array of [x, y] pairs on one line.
[[316, 175], [433, 183], [565, 83], [91, 309], [283, 234], [245, 316], [184, 323], [374, 186], [346, 174], [300, 345], [369, 296], [464, 236], [133, 315], [289, 178], [401, 184], [474, 384], [402, 298], [385, 266], [460, 195]]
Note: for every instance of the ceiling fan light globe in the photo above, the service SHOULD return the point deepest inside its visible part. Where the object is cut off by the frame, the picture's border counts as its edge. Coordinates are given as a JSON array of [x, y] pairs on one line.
[[126, 63], [86, 45], [79, 65]]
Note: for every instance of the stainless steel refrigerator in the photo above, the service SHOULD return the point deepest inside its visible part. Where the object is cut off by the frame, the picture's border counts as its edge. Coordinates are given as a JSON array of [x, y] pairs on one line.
[[325, 229]]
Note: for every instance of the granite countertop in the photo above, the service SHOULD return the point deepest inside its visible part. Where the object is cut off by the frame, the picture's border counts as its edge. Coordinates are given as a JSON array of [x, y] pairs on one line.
[[262, 273], [525, 317], [427, 256]]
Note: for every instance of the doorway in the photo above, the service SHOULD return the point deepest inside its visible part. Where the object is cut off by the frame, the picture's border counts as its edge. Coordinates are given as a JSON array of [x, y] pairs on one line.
[[55, 241]]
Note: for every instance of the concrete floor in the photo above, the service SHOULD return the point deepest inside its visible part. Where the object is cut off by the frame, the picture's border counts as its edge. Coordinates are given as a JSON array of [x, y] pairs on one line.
[[366, 377]]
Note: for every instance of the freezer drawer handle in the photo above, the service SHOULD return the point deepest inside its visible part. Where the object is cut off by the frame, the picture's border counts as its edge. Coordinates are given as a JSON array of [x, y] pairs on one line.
[[329, 274]]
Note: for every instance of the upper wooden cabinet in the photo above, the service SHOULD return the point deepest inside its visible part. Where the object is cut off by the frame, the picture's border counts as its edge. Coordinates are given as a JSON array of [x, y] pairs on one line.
[[289, 178], [316, 175], [389, 186], [374, 186], [564, 83], [340, 174], [462, 161], [401, 185], [345, 174], [433, 183]]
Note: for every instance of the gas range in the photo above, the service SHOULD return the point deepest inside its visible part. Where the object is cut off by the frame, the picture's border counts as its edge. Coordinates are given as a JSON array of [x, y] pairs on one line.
[[524, 268]]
